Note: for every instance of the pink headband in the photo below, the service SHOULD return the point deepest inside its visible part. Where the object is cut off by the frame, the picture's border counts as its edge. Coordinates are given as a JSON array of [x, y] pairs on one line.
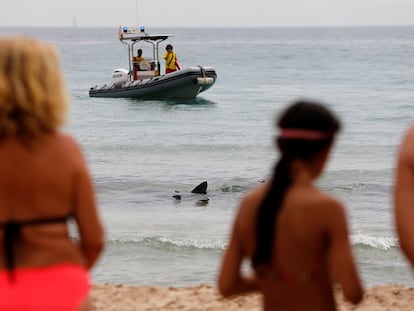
[[304, 134]]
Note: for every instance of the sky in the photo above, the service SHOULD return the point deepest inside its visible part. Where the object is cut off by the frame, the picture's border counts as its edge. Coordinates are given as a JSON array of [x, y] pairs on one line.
[[205, 13]]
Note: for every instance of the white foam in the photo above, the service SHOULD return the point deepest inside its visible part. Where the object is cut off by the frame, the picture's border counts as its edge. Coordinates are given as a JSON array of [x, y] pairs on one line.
[[384, 243]]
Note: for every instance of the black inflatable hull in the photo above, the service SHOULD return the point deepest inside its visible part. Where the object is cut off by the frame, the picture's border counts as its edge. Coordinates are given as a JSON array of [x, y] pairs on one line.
[[186, 83]]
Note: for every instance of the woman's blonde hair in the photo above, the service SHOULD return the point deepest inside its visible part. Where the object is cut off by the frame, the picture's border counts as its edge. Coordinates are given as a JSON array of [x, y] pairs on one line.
[[33, 97]]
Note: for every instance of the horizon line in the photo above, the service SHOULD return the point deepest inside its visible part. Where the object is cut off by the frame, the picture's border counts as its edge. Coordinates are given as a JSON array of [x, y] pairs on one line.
[[200, 27]]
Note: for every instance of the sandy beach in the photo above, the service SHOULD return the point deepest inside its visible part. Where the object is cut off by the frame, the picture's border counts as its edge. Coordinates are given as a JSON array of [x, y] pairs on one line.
[[110, 297]]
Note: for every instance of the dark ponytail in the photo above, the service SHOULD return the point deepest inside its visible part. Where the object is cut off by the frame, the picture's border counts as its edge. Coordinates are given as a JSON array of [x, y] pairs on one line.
[[302, 115]]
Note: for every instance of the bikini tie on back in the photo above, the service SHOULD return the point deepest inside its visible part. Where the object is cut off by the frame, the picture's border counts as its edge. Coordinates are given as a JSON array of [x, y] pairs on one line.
[[12, 233]]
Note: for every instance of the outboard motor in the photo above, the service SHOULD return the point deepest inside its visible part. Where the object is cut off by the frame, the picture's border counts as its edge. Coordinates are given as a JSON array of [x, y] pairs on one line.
[[120, 75]]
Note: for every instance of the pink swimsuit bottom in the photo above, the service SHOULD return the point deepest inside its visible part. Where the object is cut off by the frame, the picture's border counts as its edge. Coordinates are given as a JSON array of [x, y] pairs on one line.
[[57, 288]]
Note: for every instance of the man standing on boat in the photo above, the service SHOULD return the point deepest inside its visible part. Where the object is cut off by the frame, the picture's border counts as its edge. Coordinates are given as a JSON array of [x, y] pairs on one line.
[[171, 60]]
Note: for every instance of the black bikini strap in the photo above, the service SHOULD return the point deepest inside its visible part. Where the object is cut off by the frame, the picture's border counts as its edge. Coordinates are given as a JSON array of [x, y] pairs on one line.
[[12, 232], [44, 221]]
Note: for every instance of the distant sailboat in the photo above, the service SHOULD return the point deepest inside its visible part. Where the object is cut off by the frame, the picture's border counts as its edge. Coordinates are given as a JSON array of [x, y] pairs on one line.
[[75, 25]]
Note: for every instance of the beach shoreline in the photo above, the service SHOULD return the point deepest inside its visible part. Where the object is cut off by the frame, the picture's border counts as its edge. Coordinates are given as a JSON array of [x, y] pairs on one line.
[[111, 297]]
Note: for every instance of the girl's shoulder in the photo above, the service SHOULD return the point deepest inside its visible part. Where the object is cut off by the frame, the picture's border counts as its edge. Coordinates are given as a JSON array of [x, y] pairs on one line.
[[257, 193], [328, 207], [252, 200]]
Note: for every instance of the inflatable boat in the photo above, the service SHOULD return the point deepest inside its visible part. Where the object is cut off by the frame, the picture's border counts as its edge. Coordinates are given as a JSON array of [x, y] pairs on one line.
[[149, 83]]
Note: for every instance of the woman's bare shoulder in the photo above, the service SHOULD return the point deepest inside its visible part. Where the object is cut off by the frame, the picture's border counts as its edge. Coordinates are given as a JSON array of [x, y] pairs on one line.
[[330, 207], [255, 195], [317, 202], [66, 142], [66, 138], [66, 147], [407, 148], [328, 199], [251, 201]]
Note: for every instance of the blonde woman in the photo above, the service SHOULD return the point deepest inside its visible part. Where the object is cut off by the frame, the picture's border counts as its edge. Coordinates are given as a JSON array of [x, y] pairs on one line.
[[44, 182]]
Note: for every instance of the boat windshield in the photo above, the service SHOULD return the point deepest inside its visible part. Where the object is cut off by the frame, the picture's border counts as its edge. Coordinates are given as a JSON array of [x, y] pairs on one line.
[[133, 35]]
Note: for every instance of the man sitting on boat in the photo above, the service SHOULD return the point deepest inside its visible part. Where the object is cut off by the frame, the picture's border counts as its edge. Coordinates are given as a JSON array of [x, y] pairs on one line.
[[140, 63], [171, 60]]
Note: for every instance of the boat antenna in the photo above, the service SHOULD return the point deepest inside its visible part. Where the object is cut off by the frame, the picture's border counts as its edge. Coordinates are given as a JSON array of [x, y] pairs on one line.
[[136, 11]]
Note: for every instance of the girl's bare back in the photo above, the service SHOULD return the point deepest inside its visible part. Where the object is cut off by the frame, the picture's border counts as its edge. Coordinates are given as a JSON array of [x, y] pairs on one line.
[[309, 246]]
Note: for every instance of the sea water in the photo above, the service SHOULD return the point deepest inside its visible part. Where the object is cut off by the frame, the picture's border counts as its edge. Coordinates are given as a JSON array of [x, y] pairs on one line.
[[141, 152]]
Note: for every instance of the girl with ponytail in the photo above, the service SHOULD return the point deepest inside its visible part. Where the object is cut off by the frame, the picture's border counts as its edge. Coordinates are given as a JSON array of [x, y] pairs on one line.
[[294, 235]]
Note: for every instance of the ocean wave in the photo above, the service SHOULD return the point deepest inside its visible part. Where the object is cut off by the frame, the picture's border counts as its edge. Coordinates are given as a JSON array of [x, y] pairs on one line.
[[376, 242], [171, 243], [358, 240]]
